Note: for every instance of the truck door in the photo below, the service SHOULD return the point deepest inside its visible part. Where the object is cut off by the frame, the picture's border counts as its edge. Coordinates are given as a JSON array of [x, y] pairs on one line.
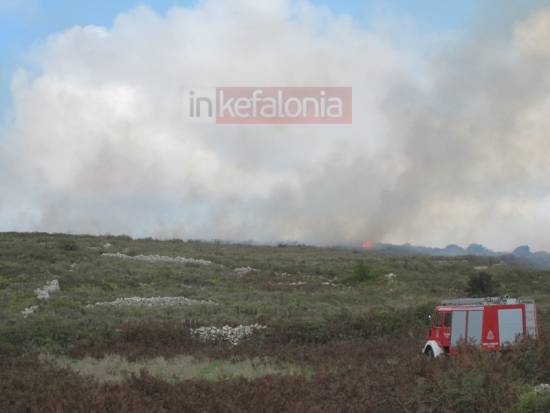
[[510, 325], [441, 329], [475, 324], [458, 329], [445, 338]]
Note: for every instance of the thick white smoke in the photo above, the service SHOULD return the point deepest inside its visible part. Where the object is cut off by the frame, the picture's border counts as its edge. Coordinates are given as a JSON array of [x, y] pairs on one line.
[[448, 144]]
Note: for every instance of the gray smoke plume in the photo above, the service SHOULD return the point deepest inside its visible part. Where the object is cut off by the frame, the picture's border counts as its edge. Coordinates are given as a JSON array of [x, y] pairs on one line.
[[449, 141]]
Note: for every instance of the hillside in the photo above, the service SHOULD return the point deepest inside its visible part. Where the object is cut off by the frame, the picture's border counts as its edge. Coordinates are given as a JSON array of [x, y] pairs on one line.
[[136, 325], [521, 255]]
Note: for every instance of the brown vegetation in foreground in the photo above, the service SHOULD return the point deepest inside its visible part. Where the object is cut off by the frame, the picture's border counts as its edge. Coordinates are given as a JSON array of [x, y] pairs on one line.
[[385, 376]]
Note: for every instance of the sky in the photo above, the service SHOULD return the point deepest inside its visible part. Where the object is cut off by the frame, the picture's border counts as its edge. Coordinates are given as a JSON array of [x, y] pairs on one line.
[[448, 143], [24, 23]]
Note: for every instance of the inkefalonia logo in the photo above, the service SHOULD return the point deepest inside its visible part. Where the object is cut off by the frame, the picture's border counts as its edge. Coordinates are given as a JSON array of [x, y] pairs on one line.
[[269, 105]]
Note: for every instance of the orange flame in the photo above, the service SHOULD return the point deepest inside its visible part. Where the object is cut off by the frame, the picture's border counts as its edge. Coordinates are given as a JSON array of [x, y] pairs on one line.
[[367, 245]]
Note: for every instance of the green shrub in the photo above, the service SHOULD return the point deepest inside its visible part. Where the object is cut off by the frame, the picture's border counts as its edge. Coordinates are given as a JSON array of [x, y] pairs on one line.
[[474, 381], [50, 332], [68, 245], [343, 325], [361, 273], [534, 401], [481, 285], [460, 392], [530, 359]]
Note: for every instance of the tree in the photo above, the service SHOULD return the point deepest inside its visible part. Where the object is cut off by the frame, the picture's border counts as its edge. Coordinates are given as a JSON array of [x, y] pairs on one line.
[[481, 285]]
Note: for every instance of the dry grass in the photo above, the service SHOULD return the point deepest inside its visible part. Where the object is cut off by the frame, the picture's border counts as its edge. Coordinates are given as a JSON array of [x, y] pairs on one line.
[[115, 368], [388, 376]]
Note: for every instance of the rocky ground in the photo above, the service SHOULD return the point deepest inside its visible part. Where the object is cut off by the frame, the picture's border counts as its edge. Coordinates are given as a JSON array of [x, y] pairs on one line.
[[90, 324]]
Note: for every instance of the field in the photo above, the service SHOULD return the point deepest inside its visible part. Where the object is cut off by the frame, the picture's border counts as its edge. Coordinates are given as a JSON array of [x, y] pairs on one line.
[[308, 329]]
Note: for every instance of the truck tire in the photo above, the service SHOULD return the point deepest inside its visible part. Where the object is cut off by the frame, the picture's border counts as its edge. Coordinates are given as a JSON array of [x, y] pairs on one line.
[[429, 353]]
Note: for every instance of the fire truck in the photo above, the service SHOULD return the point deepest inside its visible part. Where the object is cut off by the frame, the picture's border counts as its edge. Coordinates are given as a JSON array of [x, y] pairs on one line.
[[491, 323]]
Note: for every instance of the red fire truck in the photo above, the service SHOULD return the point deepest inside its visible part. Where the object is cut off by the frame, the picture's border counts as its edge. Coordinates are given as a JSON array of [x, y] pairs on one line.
[[491, 323]]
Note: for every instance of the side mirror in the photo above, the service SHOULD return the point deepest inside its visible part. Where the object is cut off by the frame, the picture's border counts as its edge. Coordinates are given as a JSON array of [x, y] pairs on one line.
[[429, 317]]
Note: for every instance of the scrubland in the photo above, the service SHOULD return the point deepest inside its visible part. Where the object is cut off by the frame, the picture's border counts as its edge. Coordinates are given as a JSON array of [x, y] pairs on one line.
[[138, 326]]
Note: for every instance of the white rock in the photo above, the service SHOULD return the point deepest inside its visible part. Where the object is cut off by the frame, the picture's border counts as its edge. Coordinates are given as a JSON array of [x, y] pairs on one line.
[[245, 271], [29, 310], [542, 388], [153, 302], [45, 292], [233, 335], [158, 258]]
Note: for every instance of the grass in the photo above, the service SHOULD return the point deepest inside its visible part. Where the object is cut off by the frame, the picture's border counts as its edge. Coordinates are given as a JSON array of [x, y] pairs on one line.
[[114, 368], [340, 335]]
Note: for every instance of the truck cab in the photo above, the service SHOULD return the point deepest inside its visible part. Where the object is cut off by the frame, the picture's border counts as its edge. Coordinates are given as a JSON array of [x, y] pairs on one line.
[[441, 328]]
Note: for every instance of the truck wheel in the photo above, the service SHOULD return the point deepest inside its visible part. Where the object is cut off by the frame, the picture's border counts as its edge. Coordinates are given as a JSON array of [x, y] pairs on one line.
[[429, 353]]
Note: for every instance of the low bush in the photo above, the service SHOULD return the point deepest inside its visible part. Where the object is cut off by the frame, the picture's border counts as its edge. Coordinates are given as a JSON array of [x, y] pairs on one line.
[[68, 245], [481, 285], [474, 381], [536, 400], [361, 273], [376, 324]]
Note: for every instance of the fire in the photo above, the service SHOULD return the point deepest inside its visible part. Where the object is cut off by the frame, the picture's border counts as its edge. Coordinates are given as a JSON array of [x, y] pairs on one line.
[[367, 245]]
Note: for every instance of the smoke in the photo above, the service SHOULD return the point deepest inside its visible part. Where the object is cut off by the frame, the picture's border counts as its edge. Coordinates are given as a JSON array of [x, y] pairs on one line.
[[449, 141]]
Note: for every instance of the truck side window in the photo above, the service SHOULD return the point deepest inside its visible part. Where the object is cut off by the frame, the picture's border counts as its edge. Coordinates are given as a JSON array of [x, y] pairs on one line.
[[448, 319], [438, 319]]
